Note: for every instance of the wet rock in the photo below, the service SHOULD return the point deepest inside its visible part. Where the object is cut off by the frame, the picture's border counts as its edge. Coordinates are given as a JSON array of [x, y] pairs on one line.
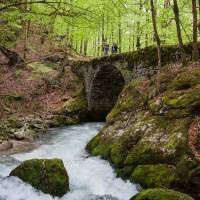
[[5, 145], [47, 175], [161, 194], [150, 176], [146, 133]]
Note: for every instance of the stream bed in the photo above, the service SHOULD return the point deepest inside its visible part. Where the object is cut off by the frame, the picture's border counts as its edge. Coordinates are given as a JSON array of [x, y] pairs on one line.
[[91, 178]]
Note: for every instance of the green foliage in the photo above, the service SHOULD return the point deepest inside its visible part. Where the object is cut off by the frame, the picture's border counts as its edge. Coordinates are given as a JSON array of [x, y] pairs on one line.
[[161, 194], [85, 24]]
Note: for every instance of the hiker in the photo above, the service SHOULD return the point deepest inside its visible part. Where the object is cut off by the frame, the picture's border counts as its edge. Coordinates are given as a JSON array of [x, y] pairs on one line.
[[106, 49], [114, 48]]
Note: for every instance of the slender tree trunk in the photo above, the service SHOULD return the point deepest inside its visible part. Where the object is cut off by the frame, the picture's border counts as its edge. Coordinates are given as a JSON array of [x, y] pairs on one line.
[[85, 46], [166, 4], [120, 33], [95, 47], [146, 34], [138, 42], [195, 42], [103, 33], [81, 46], [133, 43], [153, 13], [130, 38], [178, 29], [99, 46]]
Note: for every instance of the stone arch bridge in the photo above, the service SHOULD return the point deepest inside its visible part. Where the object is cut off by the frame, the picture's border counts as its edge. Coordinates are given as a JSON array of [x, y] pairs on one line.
[[105, 77]]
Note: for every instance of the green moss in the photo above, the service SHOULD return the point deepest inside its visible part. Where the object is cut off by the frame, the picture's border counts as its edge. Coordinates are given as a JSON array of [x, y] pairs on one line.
[[189, 99], [150, 176], [130, 98], [13, 96], [62, 120], [40, 68], [124, 172], [49, 176], [187, 170], [14, 122], [143, 153], [93, 143], [102, 150], [185, 80], [119, 150], [161, 194], [76, 104]]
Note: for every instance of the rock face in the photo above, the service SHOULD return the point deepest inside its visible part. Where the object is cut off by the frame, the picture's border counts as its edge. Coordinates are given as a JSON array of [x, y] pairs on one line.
[[49, 176], [147, 135], [161, 194]]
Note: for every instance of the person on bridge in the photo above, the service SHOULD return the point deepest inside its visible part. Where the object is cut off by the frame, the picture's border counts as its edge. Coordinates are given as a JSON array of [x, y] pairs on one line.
[[106, 49], [114, 48]]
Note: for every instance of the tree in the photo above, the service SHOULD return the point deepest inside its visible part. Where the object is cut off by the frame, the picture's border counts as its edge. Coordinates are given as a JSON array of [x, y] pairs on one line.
[[157, 38], [178, 29], [195, 23]]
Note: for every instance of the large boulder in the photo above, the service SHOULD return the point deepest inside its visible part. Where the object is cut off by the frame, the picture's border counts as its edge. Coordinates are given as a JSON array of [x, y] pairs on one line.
[[47, 175], [161, 194], [147, 133], [150, 176]]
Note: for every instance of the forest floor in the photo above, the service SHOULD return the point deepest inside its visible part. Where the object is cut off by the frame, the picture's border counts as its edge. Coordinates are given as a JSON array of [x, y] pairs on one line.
[[32, 94]]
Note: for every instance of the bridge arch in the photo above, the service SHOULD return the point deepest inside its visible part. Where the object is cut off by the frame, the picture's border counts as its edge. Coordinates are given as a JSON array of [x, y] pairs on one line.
[[106, 86]]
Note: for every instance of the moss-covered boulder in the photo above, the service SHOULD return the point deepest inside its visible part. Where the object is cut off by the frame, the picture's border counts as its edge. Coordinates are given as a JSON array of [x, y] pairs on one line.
[[161, 194], [76, 104], [150, 176], [47, 175], [61, 120], [146, 133]]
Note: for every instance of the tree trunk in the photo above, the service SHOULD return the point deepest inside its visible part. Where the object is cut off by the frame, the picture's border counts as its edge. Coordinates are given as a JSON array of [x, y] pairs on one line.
[[120, 33], [103, 33], [166, 4], [133, 43], [195, 42], [138, 42], [153, 13], [146, 34], [81, 46], [178, 29], [85, 46], [99, 45]]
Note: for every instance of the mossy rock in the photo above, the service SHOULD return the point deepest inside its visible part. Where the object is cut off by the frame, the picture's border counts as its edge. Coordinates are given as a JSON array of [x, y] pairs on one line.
[[62, 120], [151, 176], [47, 175], [120, 149], [76, 104], [130, 98], [161, 194], [189, 99], [185, 80], [13, 96], [14, 122], [144, 154]]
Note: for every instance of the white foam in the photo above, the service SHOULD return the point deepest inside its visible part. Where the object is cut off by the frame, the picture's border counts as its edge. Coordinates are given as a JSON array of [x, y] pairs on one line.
[[88, 176]]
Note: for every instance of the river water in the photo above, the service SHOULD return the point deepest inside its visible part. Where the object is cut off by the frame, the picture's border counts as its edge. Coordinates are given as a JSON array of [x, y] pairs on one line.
[[91, 178]]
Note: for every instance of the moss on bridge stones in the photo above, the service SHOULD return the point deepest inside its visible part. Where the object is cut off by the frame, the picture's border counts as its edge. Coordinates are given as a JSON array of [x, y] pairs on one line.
[[146, 134]]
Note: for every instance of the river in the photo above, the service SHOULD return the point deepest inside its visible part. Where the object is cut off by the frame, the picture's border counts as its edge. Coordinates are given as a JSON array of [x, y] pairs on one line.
[[91, 178]]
